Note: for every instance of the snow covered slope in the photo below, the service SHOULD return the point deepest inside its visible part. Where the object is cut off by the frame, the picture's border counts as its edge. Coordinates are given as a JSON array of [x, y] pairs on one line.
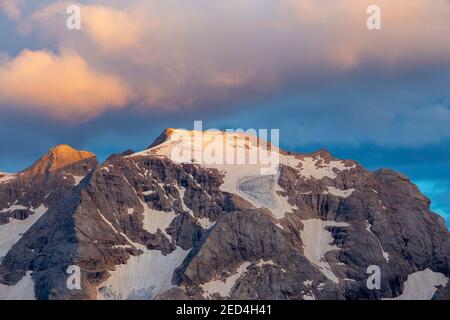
[[6, 177], [143, 276], [10, 233]]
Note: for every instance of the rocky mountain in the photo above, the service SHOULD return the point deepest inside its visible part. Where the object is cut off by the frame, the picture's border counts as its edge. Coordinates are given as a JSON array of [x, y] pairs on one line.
[[166, 224]]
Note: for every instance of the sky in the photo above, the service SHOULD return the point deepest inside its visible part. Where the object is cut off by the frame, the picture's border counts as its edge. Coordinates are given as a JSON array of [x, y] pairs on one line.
[[310, 68]]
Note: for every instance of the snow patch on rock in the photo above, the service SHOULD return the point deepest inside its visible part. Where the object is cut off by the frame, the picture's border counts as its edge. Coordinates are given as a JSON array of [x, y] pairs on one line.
[[223, 287], [339, 192], [283, 205], [14, 207], [307, 283], [421, 285], [309, 296], [13, 231], [317, 241], [23, 290], [206, 223], [368, 229], [317, 168], [107, 222], [6, 177], [154, 219], [262, 263], [78, 179], [142, 277]]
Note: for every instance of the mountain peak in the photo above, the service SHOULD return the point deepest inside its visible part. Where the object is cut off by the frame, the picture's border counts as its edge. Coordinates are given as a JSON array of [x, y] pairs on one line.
[[57, 158], [163, 137], [178, 134], [63, 155]]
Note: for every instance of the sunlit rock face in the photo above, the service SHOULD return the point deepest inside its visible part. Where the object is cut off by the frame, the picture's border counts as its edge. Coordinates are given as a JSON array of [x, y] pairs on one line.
[[59, 157], [146, 226], [26, 198]]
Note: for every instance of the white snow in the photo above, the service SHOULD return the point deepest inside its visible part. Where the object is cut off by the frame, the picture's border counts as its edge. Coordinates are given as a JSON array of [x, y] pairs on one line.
[[317, 241], [262, 263], [421, 285], [309, 295], [233, 174], [6, 177], [108, 168], [154, 219], [78, 179], [142, 277], [107, 221], [23, 290], [223, 287], [238, 156], [14, 207], [283, 206], [339, 192], [130, 210], [316, 168], [182, 191], [122, 246], [210, 148], [368, 229], [279, 226], [11, 232], [308, 283], [205, 223]]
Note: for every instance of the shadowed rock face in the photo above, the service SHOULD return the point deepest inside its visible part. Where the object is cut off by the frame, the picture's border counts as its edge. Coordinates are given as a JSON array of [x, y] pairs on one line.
[[142, 223]]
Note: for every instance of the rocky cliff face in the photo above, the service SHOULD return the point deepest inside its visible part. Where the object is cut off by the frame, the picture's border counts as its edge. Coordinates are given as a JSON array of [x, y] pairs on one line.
[[147, 226]]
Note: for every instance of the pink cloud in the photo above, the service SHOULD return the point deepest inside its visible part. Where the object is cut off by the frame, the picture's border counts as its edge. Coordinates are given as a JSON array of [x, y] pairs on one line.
[[12, 8], [63, 86], [180, 54]]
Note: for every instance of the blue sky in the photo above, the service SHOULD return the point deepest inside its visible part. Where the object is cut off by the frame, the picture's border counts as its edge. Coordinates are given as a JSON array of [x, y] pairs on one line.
[[309, 68], [427, 166]]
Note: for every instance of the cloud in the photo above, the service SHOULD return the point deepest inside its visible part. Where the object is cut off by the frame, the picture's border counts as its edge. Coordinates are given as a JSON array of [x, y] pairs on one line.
[[177, 55], [62, 86], [180, 55], [111, 28], [407, 26], [12, 8], [106, 27]]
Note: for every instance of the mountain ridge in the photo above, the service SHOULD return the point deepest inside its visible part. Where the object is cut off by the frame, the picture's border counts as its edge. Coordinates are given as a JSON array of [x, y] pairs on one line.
[[221, 231]]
